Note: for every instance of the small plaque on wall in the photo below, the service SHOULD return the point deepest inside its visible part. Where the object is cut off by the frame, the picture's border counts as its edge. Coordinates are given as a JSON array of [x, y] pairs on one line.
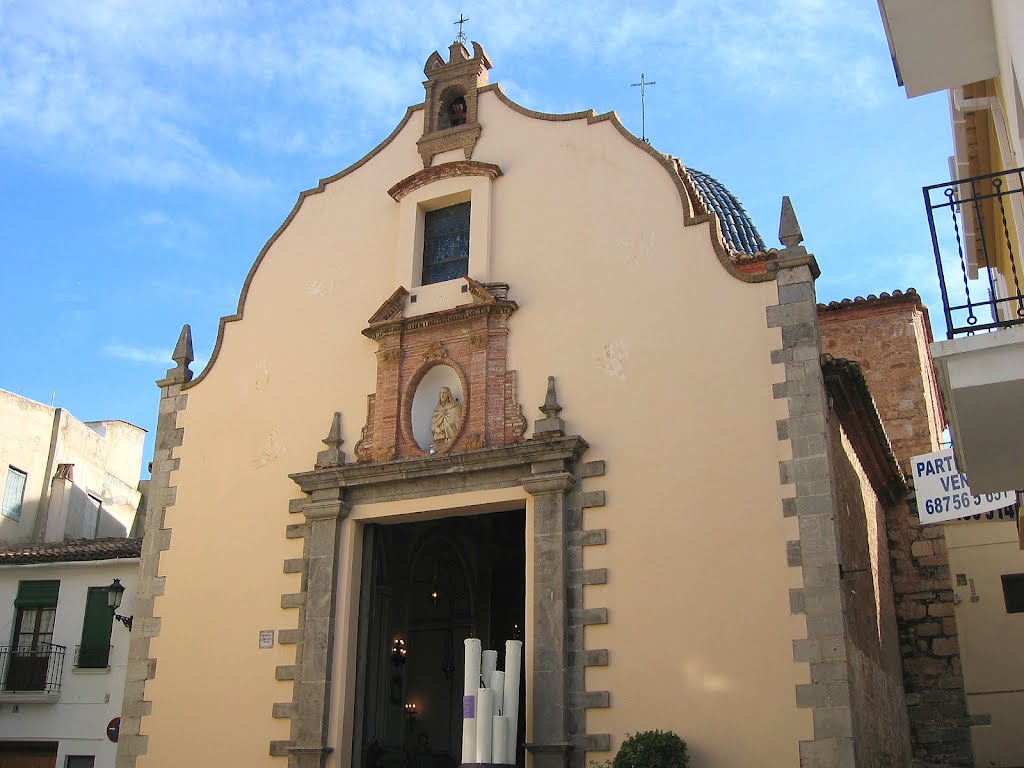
[[266, 638]]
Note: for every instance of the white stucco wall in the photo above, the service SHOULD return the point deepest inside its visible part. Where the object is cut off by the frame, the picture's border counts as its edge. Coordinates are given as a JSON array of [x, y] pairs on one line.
[[89, 698]]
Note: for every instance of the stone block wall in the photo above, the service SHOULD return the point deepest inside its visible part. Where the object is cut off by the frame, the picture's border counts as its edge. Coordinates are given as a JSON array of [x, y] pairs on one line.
[[929, 643]]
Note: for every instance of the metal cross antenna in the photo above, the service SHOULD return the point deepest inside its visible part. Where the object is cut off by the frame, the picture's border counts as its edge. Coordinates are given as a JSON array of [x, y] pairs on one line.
[[643, 106], [461, 37]]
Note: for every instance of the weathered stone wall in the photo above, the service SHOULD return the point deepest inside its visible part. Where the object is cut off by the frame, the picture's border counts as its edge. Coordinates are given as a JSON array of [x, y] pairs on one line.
[[888, 336], [880, 726], [932, 676]]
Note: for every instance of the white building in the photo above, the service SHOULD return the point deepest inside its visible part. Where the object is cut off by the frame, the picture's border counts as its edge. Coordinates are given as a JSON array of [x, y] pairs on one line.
[[974, 50], [62, 671], [63, 478], [70, 495]]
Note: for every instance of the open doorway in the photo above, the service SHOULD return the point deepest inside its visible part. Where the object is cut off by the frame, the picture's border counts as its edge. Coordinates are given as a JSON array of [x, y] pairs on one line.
[[426, 587]]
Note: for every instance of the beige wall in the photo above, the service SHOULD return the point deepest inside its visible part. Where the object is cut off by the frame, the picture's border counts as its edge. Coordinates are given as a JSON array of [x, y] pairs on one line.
[[107, 459], [24, 445], [982, 551], [663, 365]]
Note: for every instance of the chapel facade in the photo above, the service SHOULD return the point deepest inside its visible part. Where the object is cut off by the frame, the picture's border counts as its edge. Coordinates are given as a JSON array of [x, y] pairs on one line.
[[517, 376]]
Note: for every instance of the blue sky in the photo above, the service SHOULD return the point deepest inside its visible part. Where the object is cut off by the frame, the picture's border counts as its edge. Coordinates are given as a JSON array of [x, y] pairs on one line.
[[149, 149]]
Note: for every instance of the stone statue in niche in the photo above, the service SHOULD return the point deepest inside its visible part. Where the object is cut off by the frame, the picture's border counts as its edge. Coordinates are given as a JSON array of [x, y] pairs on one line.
[[457, 112], [444, 424]]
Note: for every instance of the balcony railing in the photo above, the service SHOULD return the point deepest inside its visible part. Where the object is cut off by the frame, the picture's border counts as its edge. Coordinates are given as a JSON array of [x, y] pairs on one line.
[[36, 670], [976, 227]]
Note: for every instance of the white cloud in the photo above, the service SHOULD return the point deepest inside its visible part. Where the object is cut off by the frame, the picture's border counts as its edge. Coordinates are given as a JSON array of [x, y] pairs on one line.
[[153, 229], [162, 94], [147, 355]]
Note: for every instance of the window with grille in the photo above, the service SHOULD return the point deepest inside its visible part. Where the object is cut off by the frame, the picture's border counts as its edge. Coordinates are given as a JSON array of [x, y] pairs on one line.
[[14, 493], [446, 244], [31, 646]]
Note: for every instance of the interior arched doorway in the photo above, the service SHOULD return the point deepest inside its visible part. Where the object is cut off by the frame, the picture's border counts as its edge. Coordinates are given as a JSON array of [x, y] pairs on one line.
[[426, 587]]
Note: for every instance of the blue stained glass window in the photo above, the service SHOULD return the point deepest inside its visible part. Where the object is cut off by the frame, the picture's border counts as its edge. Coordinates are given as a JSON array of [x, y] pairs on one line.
[[446, 244]]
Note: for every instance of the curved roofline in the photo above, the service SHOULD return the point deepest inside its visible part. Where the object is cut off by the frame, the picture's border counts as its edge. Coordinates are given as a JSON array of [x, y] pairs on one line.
[[675, 169], [671, 165], [320, 187]]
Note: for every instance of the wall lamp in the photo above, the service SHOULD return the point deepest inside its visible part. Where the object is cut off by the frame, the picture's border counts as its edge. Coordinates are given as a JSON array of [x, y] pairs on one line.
[[114, 594], [398, 652]]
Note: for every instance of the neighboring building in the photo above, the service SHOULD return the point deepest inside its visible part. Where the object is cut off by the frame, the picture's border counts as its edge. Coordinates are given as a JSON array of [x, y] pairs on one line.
[[62, 672], [974, 49], [988, 581], [689, 537], [889, 336], [958, 586], [62, 478], [70, 497]]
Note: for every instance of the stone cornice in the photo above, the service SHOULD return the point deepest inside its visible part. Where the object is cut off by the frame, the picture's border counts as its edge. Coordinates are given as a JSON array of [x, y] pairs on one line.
[[443, 171], [406, 472], [441, 317]]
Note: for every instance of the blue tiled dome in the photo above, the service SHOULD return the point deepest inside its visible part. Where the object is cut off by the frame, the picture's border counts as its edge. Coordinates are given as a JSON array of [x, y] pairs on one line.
[[737, 227]]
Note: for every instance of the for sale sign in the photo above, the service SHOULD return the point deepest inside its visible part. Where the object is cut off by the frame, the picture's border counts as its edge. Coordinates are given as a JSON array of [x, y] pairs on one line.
[[943, 494]]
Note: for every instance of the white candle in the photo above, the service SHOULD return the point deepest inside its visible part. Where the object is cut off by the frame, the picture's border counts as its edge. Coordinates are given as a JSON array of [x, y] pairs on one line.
[[484, 722], [469, 689], [510, 698], [488, 663], [499, 730], [497, 685]]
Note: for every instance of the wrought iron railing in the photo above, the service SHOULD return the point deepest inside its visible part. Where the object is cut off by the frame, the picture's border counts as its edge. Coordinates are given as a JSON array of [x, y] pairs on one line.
[[32, 669], [976, 227], [92, 657]]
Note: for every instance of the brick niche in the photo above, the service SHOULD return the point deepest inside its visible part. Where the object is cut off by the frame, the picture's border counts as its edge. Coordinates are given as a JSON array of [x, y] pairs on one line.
[[472, 339]]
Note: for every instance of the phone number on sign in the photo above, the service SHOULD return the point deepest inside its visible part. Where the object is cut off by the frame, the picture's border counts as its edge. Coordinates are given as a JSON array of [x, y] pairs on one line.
[[964, 501]]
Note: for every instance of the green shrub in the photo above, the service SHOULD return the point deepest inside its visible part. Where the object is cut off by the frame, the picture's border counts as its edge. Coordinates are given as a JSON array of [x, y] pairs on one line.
[[652, 749]]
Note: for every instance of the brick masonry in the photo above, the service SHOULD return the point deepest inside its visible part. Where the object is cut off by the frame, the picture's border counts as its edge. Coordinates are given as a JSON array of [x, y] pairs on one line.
[[867, 482], [462, 76], [472, 339], [888, 336]]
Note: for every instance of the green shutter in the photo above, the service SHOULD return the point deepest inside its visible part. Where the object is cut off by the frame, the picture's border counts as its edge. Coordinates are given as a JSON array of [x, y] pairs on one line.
[[95, 648], [37, 594]]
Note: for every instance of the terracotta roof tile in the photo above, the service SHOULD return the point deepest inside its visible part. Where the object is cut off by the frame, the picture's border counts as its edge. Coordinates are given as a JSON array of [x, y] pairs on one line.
[[71, 551], [897, 296]]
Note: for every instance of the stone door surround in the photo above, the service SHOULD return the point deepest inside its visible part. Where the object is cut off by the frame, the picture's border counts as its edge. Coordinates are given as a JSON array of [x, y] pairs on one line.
[[550, 469]]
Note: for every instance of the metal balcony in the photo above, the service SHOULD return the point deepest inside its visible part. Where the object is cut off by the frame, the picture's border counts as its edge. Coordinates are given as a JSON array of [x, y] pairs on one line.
[[976, 225], [32, 670]]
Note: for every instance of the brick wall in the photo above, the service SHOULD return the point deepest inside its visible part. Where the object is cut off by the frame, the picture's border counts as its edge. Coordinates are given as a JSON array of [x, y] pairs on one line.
[[880, 721], [888, 336]]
